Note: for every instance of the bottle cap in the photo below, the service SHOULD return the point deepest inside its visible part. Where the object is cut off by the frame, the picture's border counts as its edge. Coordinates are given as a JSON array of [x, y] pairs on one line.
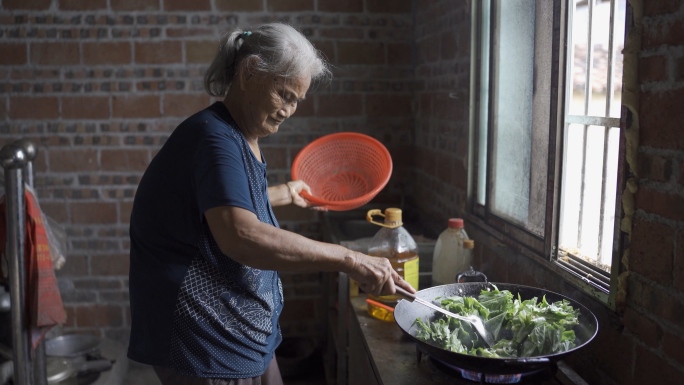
[[455, 223], [392, 215], [469, 244]]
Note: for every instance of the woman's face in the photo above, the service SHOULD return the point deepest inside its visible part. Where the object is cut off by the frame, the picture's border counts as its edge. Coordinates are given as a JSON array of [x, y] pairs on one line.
[[269, 100]]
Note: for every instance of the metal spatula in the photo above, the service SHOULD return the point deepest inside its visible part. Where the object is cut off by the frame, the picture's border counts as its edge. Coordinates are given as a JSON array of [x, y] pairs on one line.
[[474, 320]]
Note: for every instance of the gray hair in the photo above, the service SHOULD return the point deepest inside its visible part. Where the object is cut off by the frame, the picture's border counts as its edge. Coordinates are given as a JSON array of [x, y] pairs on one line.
[[283, 51]]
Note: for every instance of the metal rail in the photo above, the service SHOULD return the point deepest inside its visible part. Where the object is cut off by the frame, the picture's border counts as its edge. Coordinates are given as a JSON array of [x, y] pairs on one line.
[[13, 159], [39, 357]]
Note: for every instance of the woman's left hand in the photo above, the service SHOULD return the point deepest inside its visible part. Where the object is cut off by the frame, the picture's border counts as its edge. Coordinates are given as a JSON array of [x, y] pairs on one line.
[[296, 187]]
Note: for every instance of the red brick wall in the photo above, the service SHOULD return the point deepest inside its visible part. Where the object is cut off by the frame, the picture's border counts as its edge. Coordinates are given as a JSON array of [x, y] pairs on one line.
[[98, 86], [644, 342], [442, 56]]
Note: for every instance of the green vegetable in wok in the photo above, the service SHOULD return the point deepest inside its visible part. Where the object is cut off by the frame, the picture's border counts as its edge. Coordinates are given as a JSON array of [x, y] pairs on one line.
[[520, 328]]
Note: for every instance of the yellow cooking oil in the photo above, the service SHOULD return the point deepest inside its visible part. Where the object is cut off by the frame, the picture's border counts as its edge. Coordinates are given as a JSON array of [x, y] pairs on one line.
[[393, 242]]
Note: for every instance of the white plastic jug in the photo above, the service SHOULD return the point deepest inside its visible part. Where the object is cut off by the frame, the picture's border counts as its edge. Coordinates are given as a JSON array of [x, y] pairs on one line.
[[450, 258]]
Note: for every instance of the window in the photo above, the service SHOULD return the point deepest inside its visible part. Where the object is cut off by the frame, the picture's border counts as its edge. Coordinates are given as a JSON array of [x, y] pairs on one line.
[[546, 117]]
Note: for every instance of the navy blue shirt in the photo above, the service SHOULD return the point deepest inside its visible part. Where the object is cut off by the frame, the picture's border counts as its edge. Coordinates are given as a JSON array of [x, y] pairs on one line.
[[194, 308]]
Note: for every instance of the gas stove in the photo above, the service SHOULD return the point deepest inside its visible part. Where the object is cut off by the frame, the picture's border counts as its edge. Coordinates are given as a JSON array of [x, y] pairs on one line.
[[549, 376]]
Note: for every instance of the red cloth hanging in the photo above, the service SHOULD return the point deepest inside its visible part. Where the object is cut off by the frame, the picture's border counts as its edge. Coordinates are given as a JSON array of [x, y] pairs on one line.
[[44, 306]]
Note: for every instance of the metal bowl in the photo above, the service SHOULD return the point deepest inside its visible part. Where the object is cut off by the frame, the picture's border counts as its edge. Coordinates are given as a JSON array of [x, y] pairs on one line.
[[72, 345]]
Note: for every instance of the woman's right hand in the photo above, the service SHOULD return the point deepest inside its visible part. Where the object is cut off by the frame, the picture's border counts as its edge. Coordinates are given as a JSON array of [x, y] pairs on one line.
[[376, 276]]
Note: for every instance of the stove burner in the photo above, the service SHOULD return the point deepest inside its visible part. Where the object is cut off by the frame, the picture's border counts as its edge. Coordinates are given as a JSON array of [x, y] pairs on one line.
[[541, 376], [479, 377]]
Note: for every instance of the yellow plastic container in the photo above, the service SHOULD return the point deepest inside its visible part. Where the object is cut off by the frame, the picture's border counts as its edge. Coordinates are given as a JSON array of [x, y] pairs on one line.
[[393, 242]]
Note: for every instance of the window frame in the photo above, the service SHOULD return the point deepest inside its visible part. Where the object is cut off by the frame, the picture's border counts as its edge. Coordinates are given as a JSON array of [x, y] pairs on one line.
[[543, 248]]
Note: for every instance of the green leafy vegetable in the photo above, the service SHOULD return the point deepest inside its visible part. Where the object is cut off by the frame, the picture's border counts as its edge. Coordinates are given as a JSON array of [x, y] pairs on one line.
[[521, 328]]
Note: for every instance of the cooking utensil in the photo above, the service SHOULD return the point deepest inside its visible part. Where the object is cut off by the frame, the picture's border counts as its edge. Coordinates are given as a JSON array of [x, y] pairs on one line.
[[476, 321], [74, 355], [405, 313], [71, 345]]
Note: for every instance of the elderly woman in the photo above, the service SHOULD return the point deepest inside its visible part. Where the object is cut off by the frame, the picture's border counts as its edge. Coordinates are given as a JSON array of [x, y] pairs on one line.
[[205, 244]]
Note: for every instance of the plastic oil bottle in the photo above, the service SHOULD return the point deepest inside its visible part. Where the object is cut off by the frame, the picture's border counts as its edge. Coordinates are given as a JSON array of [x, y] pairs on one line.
[[450, 257], [393, 242]]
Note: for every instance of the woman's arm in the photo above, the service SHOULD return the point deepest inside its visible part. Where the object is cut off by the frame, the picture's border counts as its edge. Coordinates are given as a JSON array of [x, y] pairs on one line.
[[287, 193], [244, 238], [280, 195]]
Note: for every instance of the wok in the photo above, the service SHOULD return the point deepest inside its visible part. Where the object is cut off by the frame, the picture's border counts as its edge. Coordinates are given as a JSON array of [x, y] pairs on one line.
[[405, 313]]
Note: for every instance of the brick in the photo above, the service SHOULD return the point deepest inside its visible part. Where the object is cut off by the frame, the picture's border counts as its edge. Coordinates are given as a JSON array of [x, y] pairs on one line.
[[661, 302], [200, 51], [660, 203], [661, 7], [109, 53], [110, 265], [4, 102], [331, 105], [184, 32], [70, 316], [276, 157], [294, 213], [662, 33], [618, 365], [646, 331], [82, 5], [360, 53], [326, 49], [184, 104], [679, 69], [26, 4], [651, 368], [99, 316], [341, 6], [93, 213], [388, 105], [134, 5], [135, 106], [97, 283], [159, 52], [12, 54], [239, 5], [33, 108], [654, 167], [125, 212], [124, 160], [184, 5], [673, 347], [395, 6], [448, 45], [652, 69], [55, 53], [299, 310], [75, 266], [72, 160], [342, 33], [426, 51], [399, 54], [85, 107], [290, 6], [678, 271], [305, 108], [660, 116], [55, 210], [650, 239]]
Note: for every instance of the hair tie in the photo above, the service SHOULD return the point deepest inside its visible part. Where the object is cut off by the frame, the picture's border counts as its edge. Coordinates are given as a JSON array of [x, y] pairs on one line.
[[245, 34]]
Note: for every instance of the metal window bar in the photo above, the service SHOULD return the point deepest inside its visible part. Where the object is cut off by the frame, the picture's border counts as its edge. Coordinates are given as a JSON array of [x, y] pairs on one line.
[[606, 122], [587, 99]]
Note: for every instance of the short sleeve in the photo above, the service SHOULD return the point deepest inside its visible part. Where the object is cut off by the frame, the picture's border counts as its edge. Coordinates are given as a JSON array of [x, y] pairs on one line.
[[220, 174]]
